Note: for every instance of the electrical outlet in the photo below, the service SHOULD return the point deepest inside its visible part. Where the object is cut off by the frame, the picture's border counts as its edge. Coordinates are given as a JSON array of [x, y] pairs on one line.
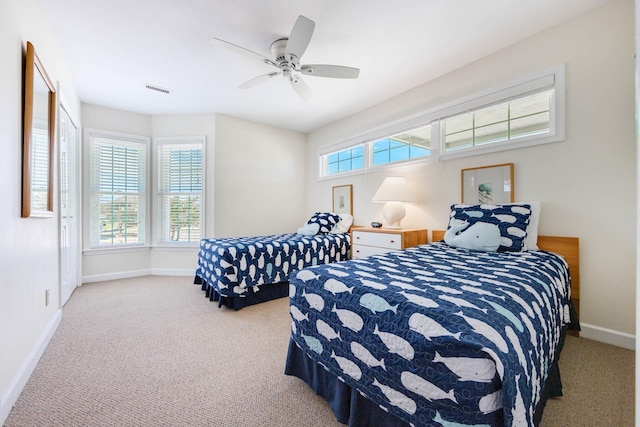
[[46, 297]]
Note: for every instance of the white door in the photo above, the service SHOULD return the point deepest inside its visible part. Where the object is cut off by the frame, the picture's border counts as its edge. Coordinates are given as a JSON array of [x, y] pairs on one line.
[[69, 205]]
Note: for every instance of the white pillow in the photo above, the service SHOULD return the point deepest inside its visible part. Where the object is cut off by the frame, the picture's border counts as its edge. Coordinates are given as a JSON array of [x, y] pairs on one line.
[[343, 225], [531, 241]]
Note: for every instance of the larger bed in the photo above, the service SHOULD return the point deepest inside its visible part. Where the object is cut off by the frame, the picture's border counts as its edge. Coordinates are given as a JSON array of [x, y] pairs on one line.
[[241, 271], [435, 335]]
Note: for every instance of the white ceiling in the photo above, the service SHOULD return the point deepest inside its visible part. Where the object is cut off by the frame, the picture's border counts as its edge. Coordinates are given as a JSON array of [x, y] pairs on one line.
[[114, 48]]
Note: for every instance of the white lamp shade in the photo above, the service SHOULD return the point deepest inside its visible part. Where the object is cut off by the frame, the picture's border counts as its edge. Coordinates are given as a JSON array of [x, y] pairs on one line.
[[393, 191]]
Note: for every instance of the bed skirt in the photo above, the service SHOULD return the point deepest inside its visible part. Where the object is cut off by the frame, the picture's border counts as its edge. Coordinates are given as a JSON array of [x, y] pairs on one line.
[[351, 408], [265, 293]]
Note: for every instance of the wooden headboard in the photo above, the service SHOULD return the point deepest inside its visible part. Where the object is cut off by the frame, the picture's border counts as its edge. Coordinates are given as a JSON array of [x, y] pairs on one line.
[[568, 247]]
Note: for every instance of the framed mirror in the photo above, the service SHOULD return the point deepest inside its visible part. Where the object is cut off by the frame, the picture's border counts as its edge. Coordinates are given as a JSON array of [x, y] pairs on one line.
[[38, 138]]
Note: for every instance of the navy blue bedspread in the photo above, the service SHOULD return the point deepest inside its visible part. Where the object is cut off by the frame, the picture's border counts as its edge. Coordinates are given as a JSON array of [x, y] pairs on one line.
[[237, 266], [436, 335]]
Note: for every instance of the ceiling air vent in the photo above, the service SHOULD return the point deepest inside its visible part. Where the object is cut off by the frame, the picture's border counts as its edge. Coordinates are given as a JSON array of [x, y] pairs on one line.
[[158, 88]]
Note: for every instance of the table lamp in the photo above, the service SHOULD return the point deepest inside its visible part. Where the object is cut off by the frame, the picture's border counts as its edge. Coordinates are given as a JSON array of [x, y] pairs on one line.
[[393, 192]]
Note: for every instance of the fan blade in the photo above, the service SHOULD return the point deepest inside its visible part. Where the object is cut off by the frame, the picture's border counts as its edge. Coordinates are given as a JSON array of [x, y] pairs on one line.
[[300, 37], [257, 80], [301, 88], [333, 71], [244, 51]]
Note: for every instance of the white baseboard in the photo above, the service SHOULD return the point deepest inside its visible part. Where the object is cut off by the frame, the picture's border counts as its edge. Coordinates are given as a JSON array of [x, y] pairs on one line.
[[21, 378], [608, 336], [174, 272], [139, 273], [115, 276]]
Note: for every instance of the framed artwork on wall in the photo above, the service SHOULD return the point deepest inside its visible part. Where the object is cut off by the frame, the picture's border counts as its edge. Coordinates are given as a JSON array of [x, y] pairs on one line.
[[343, 199], [488, 185]]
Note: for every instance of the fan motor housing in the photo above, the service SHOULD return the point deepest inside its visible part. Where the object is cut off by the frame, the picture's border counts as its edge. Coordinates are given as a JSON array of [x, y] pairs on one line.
[[278, 50]]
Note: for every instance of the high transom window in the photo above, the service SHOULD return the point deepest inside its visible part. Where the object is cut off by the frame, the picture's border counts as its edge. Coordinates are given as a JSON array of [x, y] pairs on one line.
[[403, 146], [521, 117], [345, 160], [518, 114]]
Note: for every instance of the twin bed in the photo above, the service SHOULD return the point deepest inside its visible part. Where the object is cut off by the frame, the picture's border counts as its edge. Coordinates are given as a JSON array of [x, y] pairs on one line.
[[241, 271], [435, 335]]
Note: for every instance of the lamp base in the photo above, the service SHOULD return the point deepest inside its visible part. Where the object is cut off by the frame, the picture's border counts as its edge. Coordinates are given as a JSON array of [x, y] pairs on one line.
[[393, 212]]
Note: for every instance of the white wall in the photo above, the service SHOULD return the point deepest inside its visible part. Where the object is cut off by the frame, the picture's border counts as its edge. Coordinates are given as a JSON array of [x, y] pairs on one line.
[[252, 187], [259, 179], [98, 265], [586, 183], [28, 247], [184, 261]]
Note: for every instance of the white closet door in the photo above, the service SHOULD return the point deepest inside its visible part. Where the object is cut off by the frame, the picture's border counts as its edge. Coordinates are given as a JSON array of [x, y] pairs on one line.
[[70, 259]]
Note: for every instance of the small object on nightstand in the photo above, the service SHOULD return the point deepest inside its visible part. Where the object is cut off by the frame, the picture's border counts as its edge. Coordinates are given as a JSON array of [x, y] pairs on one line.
[[376, 224]]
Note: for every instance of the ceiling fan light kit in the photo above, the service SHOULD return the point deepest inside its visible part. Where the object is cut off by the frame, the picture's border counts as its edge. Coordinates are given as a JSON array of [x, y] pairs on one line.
[[286, 53]]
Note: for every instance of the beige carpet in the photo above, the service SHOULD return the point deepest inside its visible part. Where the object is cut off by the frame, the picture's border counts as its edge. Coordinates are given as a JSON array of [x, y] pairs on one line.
[[153, 351]]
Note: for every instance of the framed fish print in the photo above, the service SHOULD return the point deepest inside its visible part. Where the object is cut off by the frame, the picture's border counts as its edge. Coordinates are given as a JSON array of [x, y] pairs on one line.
[[488, 185], [342, 199]]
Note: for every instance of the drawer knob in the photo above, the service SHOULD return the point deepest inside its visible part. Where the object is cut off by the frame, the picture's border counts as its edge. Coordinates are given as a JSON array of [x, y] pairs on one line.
[[392, 241]]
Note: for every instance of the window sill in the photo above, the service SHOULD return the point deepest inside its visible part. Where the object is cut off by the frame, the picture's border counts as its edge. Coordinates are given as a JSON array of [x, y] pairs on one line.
[[132, 249], [115, 250], [176, 248]]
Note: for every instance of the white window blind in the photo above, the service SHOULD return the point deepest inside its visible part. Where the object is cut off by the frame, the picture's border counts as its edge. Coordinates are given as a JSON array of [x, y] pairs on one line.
[[180, 184], [117, 182]]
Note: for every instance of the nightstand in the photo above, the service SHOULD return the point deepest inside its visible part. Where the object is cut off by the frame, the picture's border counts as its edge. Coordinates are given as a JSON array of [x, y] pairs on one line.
[[367, 241]]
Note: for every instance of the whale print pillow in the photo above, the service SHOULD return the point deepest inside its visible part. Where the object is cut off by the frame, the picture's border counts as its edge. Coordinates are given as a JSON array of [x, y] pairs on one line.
[[511, 219], [325, 220]]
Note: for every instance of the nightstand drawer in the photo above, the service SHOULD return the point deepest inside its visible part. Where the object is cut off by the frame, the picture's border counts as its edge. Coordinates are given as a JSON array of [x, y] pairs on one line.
[[359, 251], [382, 240]]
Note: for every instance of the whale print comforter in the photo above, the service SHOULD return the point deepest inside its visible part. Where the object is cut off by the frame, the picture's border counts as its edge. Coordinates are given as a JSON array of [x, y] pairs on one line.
[[233, 265], [437, 335]]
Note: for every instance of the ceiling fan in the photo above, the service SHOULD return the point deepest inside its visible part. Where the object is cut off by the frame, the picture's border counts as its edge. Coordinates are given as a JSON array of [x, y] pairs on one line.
[[286, 54]]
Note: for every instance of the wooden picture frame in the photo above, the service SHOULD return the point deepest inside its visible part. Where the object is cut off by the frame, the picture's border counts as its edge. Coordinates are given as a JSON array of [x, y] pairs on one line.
[[488, 185], [38, 138], [342, 200]]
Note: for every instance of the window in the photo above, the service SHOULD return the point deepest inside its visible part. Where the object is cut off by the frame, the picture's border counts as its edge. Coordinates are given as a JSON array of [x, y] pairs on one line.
[[403, 146], [179, 190], [398, 147], [345, 160], [117, 190], [518, 118], [518, 114]]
